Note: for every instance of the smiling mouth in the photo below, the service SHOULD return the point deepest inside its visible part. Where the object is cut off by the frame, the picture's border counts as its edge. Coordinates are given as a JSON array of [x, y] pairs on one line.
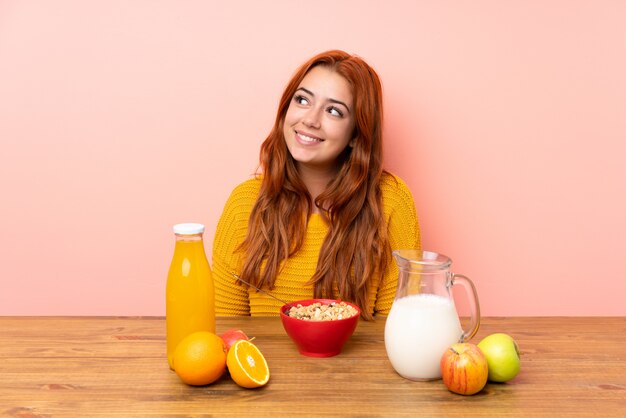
[[308, 139]]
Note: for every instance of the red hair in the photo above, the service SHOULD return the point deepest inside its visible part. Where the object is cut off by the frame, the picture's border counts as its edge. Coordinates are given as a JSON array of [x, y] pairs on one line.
[[356, 246]]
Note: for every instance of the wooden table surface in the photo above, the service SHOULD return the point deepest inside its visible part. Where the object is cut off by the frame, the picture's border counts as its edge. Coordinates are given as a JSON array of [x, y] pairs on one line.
[[95, 366]]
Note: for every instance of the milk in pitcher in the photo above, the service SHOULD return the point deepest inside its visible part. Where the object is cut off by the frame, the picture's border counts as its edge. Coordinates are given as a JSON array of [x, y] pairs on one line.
[[419, 329]]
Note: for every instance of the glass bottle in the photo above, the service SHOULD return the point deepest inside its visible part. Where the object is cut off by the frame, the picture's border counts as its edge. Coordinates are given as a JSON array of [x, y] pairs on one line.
[[190, 300]]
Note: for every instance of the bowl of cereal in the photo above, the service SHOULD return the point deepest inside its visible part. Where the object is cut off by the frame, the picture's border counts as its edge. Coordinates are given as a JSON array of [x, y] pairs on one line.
[[320, 327]]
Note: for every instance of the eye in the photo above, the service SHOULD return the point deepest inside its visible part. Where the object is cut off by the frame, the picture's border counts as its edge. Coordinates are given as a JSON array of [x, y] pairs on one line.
[[301, 100], [335, 111]]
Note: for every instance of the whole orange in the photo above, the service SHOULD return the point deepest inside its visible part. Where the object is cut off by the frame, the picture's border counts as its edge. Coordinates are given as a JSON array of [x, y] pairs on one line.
[[200, 358]]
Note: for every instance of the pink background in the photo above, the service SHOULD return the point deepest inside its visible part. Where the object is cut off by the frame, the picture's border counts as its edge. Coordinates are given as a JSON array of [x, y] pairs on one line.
[[120, 118]]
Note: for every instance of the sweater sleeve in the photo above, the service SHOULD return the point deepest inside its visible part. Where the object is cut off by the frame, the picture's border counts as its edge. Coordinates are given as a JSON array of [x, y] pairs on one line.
[[231, 299], [403, 233]]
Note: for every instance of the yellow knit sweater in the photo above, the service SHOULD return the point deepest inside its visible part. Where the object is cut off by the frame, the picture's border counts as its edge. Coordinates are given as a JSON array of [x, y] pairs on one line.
[[291, 284]]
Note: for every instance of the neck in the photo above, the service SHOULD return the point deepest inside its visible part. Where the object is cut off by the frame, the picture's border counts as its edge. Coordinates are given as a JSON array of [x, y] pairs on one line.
[[316, 180]]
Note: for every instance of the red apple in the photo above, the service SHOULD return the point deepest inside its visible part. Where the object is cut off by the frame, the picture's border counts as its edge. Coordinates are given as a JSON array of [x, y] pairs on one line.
[[464, 369], [233, 335]]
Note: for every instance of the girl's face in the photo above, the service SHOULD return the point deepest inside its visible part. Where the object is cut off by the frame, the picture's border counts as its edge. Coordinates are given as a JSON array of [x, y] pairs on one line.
[[320, 119]]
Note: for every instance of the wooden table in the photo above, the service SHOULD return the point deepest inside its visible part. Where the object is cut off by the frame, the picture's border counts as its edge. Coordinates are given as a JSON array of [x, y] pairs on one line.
[[94, 366]]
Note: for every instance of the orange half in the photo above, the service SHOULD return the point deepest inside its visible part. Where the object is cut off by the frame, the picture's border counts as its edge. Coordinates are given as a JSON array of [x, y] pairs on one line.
[[246, 365]]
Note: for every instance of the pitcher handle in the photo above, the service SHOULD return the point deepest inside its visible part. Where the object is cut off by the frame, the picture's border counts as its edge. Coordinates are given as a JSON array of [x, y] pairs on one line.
[[474, 305]]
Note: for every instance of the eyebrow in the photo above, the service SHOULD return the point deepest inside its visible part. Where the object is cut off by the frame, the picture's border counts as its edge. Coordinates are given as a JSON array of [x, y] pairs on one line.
[[330, 100]]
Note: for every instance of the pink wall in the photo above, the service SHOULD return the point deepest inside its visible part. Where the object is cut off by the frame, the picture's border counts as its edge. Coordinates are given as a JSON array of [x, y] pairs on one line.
[[119, 119]]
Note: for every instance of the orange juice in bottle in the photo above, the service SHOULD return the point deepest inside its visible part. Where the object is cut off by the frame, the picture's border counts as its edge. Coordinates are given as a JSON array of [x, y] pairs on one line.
[[189, 298]]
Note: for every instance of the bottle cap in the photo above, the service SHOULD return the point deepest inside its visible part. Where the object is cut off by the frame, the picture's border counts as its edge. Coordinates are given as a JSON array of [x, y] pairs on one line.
[[188, 229]]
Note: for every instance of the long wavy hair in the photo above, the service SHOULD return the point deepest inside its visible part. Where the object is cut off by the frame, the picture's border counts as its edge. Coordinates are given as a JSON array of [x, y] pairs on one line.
[[356, 246]]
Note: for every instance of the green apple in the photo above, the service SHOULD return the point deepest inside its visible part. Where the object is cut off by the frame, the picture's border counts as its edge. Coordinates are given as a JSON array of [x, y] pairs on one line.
[[502, 356]]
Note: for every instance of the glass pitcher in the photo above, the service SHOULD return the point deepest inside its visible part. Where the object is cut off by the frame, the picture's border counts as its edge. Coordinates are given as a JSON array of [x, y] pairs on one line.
[[423, 321]]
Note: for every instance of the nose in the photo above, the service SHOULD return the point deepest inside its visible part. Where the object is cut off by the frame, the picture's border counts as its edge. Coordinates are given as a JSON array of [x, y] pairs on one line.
[[312, 118]]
